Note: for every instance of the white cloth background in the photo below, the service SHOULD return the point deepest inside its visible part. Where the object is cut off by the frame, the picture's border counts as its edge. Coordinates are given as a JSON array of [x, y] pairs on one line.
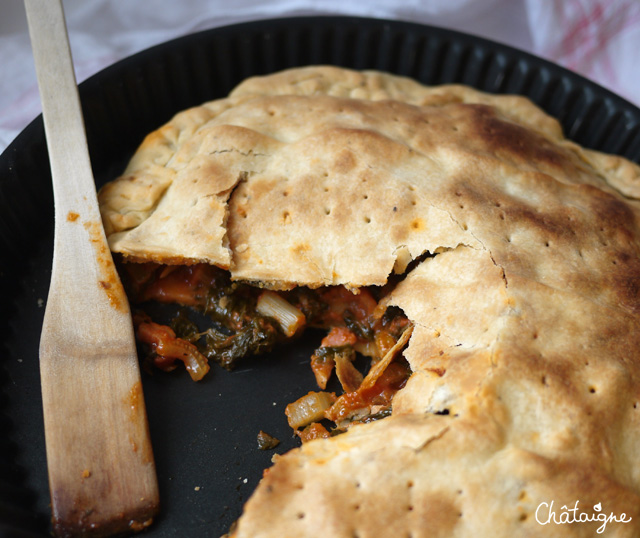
[[598, 38]]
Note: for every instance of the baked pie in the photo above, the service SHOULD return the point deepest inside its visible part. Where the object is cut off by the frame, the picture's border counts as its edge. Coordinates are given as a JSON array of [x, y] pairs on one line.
[[486, 266]]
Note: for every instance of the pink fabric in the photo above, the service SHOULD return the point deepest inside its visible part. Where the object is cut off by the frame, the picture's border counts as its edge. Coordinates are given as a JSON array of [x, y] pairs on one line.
[[599, 39]]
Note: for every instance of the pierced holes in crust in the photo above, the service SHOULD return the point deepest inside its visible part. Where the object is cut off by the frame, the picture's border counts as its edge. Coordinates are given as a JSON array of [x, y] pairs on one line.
[[592, 389], [523, 517], [300, 515], [367, 220], [327, 211]]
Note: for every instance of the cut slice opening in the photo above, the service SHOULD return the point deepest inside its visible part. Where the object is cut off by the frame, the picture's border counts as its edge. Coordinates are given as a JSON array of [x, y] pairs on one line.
[[245, 320]]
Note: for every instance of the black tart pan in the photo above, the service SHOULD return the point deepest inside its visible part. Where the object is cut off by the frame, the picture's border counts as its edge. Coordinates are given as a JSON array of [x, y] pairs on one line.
[[204, 434]]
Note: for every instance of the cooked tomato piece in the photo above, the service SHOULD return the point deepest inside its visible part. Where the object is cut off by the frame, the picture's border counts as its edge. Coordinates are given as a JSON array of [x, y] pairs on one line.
[[338, 337], [168, 348], [313, 431], [185, 285], [340, 299]]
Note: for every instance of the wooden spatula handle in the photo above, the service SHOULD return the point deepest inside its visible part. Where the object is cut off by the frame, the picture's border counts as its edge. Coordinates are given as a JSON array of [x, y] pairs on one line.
[[101, 469]]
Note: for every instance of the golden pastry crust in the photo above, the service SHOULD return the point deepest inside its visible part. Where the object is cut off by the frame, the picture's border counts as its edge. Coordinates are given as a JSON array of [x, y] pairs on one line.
[[525, 320]]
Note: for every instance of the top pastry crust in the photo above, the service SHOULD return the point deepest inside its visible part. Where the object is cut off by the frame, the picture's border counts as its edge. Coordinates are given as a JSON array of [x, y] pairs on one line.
[[526, 375]]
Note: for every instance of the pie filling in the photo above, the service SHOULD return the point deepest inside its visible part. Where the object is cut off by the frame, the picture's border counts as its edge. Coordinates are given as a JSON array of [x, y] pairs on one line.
[[249, 320]]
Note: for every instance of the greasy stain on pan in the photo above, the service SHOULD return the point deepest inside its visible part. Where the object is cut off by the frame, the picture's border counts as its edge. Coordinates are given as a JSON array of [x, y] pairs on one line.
[[204, 434]]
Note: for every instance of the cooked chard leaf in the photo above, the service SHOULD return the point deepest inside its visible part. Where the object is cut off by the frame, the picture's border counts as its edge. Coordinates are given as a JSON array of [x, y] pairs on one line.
[[308, 301], [229, 305], [266, 441], [329, 352], [359, 328], [184, 327], [257, 336]]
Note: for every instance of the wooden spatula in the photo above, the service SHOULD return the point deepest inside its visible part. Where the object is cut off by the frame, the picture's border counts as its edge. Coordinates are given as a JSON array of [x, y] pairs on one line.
[[101, 468]]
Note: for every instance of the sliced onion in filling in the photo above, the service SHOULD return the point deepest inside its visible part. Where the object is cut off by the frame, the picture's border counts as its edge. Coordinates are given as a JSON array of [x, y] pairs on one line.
[[310, 408], [289, 317], [168, 348]]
